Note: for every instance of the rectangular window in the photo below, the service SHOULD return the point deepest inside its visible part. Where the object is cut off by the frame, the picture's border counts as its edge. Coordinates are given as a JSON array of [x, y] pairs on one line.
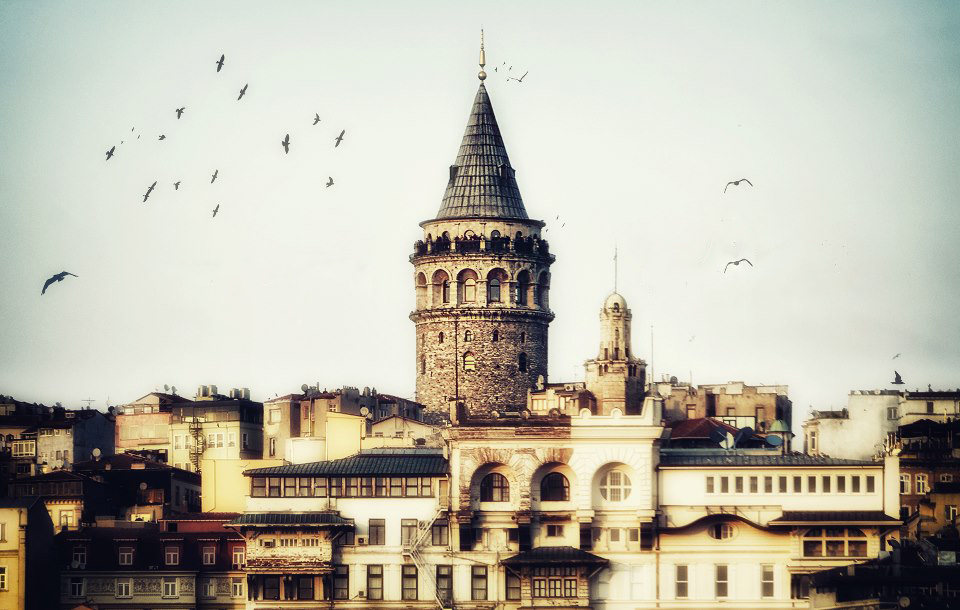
[[682, 582], [289, 487], [754, 485], [209, 555], [922, 481], [79, 553], [408, 531], [409, 584], [352, 488], [614, 535], [782, 484], [722, 581], [366, 487], [396, 487], [244, 440], [855, 484], [478, 583], [236, 586], [412, 487], [554, 531], [739, 484], [825, 484], [125, 556], [239, 557], [570, 587], [231, 439], [319, 487], [374, 582], [766, 580], [871, 486], [208, 587], [341, 582], [841, 484], [950, 512], [172, 555], [304, 487], [305, 587], [634, 533], [811, 485], [273, 487], [273, 446], [904, 483], [797, 485], [768, 485], [724, 485], [170, 586], [377, 531], [709, 485], [445, 583], [123, 587], [76, 586], [271, 587], [440, 533]]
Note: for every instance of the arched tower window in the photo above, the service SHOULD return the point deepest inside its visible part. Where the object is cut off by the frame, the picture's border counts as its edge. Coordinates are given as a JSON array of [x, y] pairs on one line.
[[469, 362], [494, 234], [495, 280], [494, 488], [523, 286], [554, 488], [522, 362], [441, 287], [467, 286], [467, 336], [446, 291], [421, 290], [616, 307], [496, 336], [440, 337], [543, 290], [523, 337]]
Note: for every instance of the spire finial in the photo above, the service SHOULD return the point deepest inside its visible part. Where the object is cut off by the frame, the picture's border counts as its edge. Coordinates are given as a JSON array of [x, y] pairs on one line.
[[483, 59], [615, 272]]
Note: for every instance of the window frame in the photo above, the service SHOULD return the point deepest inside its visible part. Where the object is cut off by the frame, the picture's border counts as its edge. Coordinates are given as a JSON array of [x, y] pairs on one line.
[[721, 584], [341, 582], [478, 583], [767, 585], [554, 487], [681, 581], [494, 487], [409, 577], [375, 576], [127, 583]]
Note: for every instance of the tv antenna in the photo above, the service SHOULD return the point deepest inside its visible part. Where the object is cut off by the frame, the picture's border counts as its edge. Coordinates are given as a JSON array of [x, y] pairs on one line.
[[88, 401]]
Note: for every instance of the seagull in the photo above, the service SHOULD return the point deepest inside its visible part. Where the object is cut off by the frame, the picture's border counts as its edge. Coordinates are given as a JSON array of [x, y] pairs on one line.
[[897, 380], [519, 80], [340, 138], [286, 144], [742, 260], [180, 111], [110, 152], [316, 119], [897, 356], [56, 278], [736, 183], [329, 181], [215, 172], [215, 210], [220, 63], [162, 137], [242, 91], [149, 190], [176, 185]]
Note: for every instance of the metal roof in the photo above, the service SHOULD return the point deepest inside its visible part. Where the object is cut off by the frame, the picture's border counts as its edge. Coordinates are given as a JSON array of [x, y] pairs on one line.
[[407, 463], [296, 519], [721, 458], [555, 554], [833, 516], [479, 187]]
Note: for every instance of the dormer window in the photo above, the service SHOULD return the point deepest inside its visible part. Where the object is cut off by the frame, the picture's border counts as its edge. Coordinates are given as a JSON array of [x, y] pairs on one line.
[[453, 172]]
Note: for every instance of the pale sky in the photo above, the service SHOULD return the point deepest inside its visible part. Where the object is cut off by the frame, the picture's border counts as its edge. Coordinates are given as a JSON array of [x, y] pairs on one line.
[[634, 115]]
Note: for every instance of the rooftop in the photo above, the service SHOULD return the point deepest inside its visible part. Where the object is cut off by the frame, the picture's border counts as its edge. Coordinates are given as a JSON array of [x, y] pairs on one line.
[[720, 457], [371, 462], [566, 555], [790, 517], [293, 519]]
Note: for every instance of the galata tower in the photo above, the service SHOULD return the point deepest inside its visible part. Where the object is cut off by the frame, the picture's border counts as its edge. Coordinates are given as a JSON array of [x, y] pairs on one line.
[[482, 278]]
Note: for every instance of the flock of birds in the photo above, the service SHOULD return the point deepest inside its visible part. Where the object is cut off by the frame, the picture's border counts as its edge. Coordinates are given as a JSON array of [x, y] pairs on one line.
[[285, 143]]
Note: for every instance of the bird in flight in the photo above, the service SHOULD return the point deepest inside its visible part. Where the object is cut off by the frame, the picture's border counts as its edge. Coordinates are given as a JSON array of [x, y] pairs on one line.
[[180, 111], [736, 183], [286, 144], [897, 356], [340, 138], [149, 190], [220, 62], [519, 80], [329, 181], [735, 263], [176, 185], [110, 152], [214, 177], [215, 210], [897, 380], [316, 119], [242, 91], [56, 278], [162, 137]]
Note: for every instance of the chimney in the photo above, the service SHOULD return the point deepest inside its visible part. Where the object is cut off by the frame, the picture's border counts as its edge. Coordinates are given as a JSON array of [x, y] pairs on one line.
[[246, 393]]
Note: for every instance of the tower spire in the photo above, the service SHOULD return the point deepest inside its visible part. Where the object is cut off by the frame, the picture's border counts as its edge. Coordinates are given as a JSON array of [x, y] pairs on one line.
[[483, 59], [615, 272]]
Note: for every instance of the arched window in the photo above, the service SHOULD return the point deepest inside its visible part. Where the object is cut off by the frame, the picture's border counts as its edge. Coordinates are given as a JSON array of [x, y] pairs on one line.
[[421, 290], [522, 362], [554, 488], [440, 337], [494, 234], [441, 287], [615, 486], [469, 362], [446, 291], [523, 286], [496, 336], [494, 488], [493, 291], [523, 337], [470, 290], [616, 307], [467, 336]]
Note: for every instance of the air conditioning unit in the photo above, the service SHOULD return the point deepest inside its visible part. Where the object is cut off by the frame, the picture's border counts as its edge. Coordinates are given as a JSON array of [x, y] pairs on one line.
[[362, 594], [361, 540]]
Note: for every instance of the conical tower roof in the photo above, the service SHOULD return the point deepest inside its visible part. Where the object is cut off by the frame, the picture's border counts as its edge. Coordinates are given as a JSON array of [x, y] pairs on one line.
[[482, 183]]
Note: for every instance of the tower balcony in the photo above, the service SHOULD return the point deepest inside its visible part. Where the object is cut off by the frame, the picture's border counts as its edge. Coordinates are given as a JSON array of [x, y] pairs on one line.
[[533, 247]]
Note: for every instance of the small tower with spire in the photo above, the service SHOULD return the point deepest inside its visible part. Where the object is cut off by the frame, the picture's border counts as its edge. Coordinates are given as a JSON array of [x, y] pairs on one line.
[[482, 278], [616, 377]]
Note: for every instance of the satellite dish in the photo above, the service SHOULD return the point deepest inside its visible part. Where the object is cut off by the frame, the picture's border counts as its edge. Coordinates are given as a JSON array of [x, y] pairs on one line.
[[143, 486], [743, 434], [728, 441], [525, 414], [166, 388], [173, 389], [717, 435], [96, 452], [495, 414], [304, 388], [364, 411], [74, 564], [774, 441]]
